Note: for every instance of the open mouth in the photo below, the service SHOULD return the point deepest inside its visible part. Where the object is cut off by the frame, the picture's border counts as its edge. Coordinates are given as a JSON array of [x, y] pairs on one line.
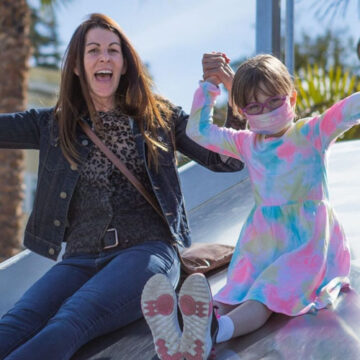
[[103, 75]]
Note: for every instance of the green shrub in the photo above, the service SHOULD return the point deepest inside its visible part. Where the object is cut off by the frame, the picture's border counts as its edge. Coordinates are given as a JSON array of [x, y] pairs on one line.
[[318, 89]]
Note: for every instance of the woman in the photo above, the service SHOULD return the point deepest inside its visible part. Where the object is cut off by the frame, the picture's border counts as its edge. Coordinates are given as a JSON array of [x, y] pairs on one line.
[[111, 232]]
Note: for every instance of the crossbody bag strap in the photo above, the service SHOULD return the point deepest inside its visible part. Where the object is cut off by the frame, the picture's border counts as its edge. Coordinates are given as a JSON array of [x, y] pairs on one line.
[[122, 168]]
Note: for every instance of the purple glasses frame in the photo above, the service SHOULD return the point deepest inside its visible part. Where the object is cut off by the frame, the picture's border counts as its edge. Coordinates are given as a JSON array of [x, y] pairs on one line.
[[265, 104]]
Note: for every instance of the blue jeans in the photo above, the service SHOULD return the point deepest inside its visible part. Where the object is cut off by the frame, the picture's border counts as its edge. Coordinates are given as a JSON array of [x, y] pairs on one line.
[[80, 298]]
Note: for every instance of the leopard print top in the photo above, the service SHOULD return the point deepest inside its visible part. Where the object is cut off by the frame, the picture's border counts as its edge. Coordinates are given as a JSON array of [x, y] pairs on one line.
[[105, 199]]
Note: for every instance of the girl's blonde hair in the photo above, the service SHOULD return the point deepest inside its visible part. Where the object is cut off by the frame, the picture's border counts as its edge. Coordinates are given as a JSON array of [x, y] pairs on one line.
[[262, 73]]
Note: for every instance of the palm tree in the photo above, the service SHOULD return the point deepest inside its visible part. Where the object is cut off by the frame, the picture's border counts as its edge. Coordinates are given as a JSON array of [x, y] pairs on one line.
[[15, 50]]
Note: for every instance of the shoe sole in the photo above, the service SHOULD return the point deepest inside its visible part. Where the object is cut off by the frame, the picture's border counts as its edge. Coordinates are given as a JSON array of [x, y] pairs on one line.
[[195, 302], [159, 307]]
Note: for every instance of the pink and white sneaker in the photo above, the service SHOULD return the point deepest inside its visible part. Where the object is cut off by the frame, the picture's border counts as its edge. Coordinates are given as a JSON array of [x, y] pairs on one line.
[[159, 306], [200, 325]]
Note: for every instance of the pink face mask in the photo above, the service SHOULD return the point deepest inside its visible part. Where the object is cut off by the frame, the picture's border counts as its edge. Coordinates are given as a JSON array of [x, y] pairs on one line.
[[272, 122]]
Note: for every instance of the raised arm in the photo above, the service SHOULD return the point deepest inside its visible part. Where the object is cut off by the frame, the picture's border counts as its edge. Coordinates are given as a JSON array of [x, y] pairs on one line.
[[324, 129], [200, 128], [217, 70], [22, 130], [191, 149]]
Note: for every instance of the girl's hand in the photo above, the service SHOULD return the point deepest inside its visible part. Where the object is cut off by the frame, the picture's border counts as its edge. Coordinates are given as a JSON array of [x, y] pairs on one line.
[[217, 70]]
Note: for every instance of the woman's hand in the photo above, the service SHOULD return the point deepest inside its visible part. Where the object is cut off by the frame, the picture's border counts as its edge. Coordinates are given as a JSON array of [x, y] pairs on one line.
[[217, 70]]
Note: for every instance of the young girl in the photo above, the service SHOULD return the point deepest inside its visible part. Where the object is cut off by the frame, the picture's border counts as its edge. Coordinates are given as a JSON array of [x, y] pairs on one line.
[[292, 256]]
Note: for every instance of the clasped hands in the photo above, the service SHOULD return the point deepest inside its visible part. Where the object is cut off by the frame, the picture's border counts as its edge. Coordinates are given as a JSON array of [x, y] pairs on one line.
[[216, 69]]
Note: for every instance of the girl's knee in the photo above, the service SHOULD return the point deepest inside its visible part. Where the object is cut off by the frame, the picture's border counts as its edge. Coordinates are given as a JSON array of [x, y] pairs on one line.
[[260, 307]]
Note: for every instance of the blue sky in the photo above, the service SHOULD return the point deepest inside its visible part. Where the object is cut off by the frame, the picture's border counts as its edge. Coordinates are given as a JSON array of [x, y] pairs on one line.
[[172, 35]]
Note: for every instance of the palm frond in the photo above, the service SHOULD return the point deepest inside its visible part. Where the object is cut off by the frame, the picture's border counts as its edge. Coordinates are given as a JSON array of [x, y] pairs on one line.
[[319, 89], [54, 3], [326, 8]]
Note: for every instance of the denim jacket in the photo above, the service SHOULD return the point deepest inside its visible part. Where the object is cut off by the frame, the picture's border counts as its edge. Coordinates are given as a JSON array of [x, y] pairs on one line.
[[37, 129]]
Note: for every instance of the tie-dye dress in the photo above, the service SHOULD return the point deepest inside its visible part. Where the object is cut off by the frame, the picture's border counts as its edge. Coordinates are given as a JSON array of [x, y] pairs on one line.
[[292, 254]]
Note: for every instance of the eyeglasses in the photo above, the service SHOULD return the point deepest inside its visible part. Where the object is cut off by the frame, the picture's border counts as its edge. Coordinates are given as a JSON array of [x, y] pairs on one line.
[[272, 103]]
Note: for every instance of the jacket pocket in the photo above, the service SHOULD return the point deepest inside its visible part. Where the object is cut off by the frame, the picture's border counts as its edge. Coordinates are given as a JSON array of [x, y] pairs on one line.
[[54, 159]]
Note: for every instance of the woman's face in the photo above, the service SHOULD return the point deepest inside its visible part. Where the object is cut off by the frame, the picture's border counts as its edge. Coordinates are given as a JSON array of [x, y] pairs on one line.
[[104, 64]]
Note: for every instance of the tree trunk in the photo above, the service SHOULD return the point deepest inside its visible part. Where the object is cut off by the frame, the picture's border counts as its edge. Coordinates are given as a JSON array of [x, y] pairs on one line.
[[15, 50]]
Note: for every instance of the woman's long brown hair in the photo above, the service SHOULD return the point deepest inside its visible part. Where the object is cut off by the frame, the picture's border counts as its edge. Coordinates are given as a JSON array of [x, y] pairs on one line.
[[134, 95]]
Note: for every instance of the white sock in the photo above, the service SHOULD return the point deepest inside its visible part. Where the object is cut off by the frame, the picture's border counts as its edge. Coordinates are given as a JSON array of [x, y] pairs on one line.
[[226, 329]]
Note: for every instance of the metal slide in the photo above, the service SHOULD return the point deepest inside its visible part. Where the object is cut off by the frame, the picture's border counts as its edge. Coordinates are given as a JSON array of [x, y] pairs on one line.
[[328, 334]]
